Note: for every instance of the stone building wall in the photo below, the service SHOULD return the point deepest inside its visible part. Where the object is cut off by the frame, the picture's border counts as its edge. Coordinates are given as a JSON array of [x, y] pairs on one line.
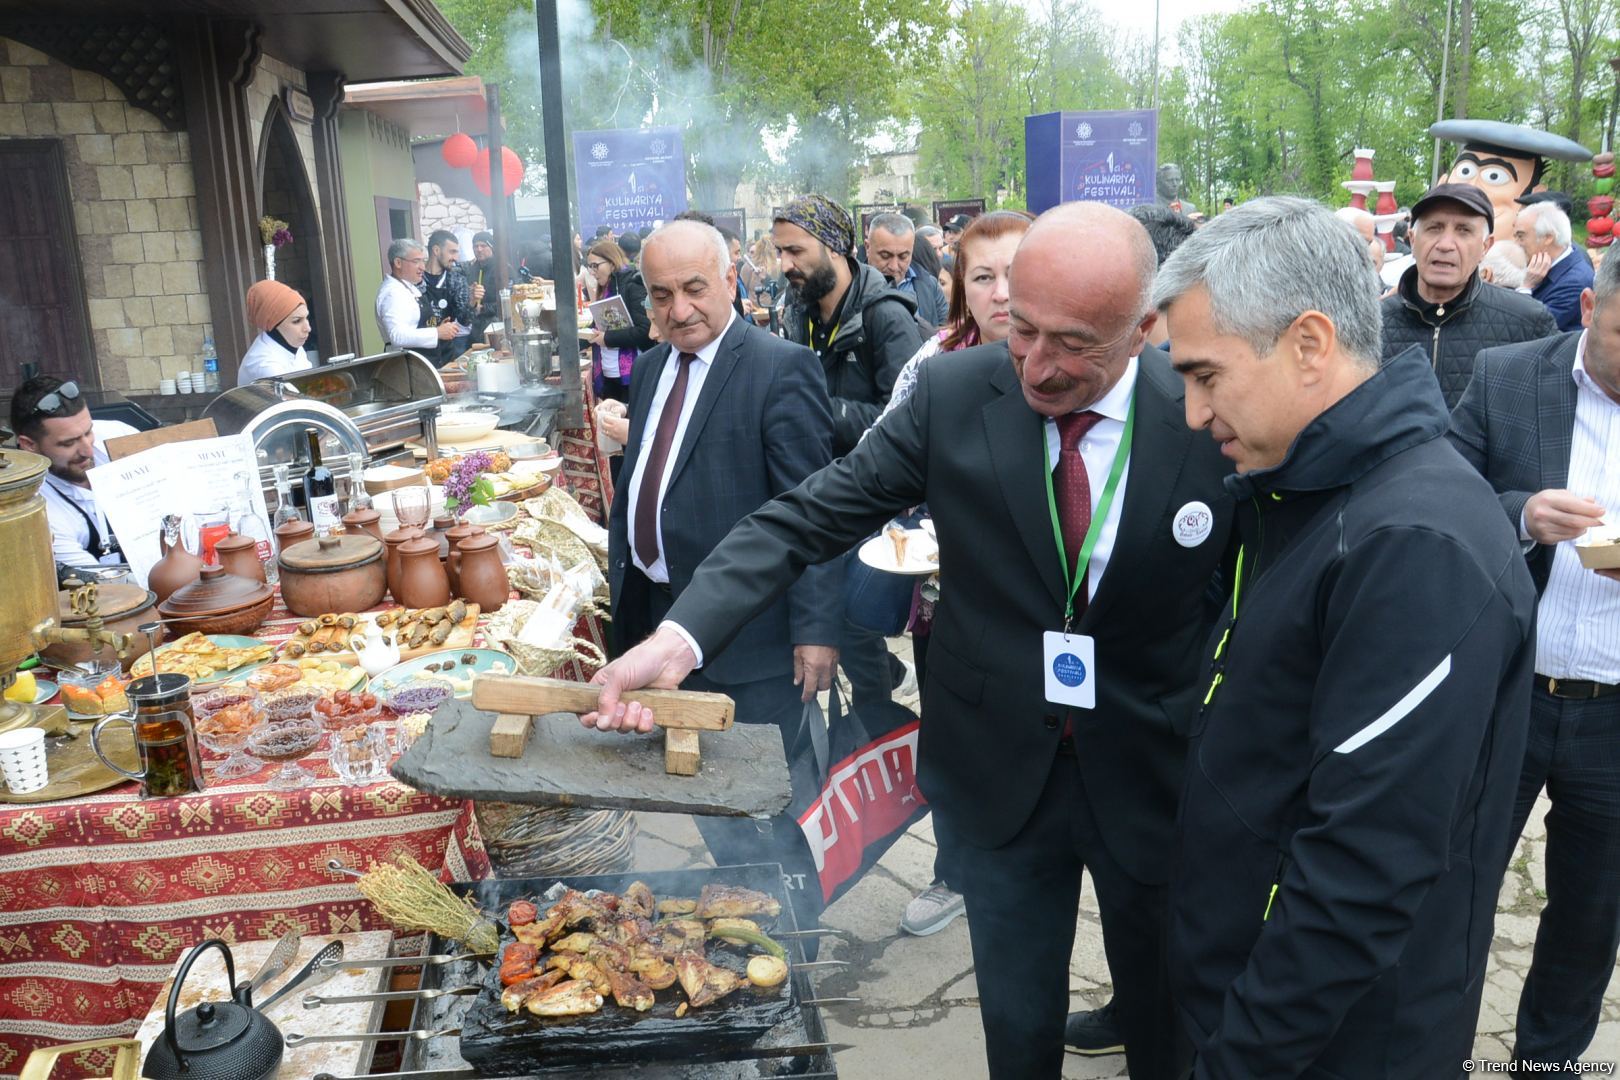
[[441, 211], [134, 208]]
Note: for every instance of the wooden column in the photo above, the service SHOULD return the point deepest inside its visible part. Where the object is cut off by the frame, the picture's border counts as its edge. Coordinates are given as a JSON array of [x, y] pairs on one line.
[[217, 58], [340, 307]]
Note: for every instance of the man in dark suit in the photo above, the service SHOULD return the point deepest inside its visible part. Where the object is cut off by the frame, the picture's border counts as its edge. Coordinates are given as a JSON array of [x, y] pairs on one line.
[[723, 417], [1541, 422], [1037, 782]]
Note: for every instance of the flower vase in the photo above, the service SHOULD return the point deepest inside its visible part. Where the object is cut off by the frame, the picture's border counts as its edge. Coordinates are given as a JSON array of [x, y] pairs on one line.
[[270, 262]]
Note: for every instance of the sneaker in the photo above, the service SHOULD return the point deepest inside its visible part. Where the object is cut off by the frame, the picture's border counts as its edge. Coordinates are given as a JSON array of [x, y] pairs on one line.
[[931, 911], [907, 686], [1094, 1033]]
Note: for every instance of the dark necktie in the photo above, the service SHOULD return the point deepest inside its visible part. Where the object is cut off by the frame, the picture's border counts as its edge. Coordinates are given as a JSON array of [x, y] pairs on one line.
[[657, 456], [1072, 489]]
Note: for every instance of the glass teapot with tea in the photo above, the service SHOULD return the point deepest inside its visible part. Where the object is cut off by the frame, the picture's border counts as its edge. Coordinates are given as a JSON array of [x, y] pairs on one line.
[[165, 736]]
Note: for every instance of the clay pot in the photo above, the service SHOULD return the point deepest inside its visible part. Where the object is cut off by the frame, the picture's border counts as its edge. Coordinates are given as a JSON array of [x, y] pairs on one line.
[[392, 541], [423, 582], [333, 575], [218, 602], [289, 533], [455, 535], [363, 521], [178, 567], [122, 608], [483, 578], [239, 555]]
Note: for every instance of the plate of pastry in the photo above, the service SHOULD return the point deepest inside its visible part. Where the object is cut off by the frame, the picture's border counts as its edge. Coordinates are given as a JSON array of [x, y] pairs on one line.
[[902, 551]]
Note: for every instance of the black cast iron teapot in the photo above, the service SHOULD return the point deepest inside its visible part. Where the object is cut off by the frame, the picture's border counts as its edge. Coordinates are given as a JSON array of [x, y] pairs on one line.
[[217, 1040]]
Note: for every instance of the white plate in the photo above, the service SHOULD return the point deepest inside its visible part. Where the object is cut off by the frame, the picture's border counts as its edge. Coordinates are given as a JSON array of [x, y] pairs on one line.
[[878, 553]]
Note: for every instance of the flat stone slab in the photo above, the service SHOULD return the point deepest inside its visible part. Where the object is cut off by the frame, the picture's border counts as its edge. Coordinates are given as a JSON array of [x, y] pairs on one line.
[[744, 772]]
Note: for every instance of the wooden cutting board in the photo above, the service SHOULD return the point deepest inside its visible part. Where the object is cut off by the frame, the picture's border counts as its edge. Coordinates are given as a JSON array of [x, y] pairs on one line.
[[207, 983], [460, 638]]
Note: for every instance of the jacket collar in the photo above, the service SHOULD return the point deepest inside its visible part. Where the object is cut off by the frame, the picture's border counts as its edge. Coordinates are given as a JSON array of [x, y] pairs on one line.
[[1407, 291], [1398, 408], [866, 284]]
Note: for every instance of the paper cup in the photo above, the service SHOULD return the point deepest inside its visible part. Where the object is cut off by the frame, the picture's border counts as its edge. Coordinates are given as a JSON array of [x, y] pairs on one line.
[[167, 386], [22, 760]]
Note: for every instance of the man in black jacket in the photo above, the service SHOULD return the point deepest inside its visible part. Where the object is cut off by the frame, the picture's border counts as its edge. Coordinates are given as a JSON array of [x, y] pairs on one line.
[[1345, 824], [1441, 304], [891, 242]]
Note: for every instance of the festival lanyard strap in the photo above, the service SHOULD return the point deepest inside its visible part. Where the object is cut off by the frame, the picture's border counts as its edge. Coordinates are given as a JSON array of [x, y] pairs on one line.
[[810, 331], [1077, 580]]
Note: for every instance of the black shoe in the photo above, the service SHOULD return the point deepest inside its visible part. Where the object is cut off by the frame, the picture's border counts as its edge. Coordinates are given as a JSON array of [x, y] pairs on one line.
[[1094, 1033]]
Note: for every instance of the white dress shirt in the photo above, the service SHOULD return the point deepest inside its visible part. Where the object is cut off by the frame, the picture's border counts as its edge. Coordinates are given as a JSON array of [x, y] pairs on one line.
[[1097, 449], [1578, 618], [70, 531], [398, 313], [267, 357]]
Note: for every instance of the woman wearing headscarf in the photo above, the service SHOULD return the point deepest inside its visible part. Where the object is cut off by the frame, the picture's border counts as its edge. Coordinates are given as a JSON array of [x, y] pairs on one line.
[[282, 319], [613, 352]]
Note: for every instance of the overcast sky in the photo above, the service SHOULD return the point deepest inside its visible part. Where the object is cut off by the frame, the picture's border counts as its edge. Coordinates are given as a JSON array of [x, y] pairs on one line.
[[1138, 18]]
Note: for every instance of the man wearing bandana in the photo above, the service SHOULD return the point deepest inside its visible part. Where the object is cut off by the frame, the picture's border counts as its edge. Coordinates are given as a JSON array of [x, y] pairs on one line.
[[1505, 161]]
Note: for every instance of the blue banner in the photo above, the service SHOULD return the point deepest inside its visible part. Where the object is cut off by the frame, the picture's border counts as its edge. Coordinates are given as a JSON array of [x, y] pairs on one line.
[[629, 179], [1108, 157]]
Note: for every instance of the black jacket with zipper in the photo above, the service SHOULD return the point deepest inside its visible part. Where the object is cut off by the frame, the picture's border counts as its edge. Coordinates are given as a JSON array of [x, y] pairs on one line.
[[1345, 820], [1483, 316], [876, 333]]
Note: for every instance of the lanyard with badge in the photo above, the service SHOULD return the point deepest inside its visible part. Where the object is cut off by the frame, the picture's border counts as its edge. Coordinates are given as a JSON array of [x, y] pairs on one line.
[[1071, 657]]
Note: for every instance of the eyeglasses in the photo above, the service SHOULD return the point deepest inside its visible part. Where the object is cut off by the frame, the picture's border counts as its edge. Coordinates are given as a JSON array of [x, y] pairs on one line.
[[593, 265], [57, 399]]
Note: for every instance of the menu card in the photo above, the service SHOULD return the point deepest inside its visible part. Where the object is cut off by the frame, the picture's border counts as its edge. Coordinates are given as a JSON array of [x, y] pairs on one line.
[[199, 480]]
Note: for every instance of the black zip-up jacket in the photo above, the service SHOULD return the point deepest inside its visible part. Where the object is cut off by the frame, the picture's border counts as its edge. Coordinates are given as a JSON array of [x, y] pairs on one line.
[[1451, 334], [876, 334], [1345, 820]]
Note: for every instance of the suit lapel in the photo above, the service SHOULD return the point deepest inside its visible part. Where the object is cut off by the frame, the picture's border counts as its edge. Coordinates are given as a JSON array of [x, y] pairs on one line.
[[1014, 432], [1555, 413], [714, 384], [1158, 450]]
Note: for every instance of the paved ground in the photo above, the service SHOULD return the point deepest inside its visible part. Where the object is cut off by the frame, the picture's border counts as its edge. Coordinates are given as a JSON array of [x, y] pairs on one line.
[[919, 1011]]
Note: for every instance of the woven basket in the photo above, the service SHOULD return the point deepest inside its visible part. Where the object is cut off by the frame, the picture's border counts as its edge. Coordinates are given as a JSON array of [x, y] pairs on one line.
[[505, 627], [555, 841]]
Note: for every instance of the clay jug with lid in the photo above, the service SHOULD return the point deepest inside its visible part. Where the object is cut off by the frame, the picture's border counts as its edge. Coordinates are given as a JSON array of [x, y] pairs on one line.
[[452, 563], [422, 579], [178, 567], [483, 577], [364, 520], [441, 527], [391, 543], [239, 555], [289, 533]]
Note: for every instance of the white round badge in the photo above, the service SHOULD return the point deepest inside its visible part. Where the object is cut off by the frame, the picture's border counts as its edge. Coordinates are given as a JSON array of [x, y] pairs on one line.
[[1193, 523]]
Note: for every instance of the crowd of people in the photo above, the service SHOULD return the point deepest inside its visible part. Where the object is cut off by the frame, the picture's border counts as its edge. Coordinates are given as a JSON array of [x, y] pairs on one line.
[[1312, 532]]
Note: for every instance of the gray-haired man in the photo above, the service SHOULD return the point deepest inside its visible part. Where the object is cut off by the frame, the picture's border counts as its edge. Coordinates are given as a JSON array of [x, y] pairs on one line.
[[400, 315], [1345, 823], [890, 241]]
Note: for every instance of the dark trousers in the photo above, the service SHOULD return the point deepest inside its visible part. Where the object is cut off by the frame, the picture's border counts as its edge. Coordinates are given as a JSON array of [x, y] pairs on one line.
[[1022, 902], [947, 869], [1574, 750]]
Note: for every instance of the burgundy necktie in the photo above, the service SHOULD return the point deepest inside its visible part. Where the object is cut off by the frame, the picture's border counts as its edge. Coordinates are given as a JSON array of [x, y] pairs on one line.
[[652, 477], [1072, 489]]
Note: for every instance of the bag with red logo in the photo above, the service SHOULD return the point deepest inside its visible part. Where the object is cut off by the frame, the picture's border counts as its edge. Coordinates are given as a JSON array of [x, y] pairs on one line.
[[854, 787]]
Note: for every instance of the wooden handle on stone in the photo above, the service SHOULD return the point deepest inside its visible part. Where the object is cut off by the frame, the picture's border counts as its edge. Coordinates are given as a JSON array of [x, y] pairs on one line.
[[526, 695]]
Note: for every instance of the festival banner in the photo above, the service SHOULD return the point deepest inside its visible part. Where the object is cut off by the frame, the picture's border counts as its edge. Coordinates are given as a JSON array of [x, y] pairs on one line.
[[629, 179], [1108, 157]]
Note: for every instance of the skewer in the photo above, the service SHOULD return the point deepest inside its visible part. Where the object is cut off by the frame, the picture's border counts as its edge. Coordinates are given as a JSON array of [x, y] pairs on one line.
[[315, 1001], [821, 932], [419, 1035], [832, 1001], [434, 960]]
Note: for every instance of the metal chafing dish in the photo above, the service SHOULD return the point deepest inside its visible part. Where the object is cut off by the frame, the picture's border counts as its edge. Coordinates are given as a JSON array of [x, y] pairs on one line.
[[277, 427]]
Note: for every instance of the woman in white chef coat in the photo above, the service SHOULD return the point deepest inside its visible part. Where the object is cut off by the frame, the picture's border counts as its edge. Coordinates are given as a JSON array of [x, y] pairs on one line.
[[282, 318]]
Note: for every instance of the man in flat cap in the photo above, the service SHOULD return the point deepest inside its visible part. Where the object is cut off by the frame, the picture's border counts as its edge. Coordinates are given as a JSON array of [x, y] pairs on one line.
[[1505, 161]]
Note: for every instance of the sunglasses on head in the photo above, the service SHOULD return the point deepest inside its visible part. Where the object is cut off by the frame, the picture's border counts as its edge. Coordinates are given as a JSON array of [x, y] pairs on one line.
[[57, 399]]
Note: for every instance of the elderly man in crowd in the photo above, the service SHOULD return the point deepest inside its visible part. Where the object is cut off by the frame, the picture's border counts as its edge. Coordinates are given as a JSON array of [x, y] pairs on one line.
[[1060, 463], [1555, 274], [1441, 304], [1344, 834], [402, 315], [890, 244], [1541, 421]]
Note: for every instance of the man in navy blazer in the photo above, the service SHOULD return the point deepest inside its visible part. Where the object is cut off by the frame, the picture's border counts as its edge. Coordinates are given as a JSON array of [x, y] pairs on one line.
[[724, 417], [1556, 273]]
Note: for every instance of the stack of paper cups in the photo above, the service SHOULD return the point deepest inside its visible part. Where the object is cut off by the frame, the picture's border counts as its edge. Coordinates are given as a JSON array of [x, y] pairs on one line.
[[22, 759], [183, 382], [167, 386]]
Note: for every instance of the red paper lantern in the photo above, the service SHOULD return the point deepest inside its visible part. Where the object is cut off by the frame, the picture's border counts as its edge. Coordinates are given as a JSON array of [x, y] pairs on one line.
[[459, 150], [511, 171]]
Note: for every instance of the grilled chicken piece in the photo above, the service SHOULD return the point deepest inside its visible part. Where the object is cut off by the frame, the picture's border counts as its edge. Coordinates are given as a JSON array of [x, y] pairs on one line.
[[575, 943], [637, 900], [544, 928], [582, 908], [655, 971], [680, 935], [630, 992], [703, 982], [578, 967], [570, 998], [610, 956], [676, 907], [514, 996], [729, 901]]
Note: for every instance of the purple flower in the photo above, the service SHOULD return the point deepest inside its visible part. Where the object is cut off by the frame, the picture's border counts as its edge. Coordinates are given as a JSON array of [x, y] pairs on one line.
[[282, 238]]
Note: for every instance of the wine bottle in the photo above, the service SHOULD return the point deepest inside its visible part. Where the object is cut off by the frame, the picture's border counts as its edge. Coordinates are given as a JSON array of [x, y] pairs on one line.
[[320, 491]]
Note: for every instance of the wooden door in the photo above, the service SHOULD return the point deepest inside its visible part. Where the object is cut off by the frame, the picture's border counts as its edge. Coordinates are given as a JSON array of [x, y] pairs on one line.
[[42, 308]]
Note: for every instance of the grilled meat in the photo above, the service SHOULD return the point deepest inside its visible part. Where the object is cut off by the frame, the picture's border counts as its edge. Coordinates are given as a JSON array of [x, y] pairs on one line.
[[703, 982], [655, 971], [541, 930], [680, 935], [676, 907], [570, 998], [637, 900], [581, 968], [580, 942], [729, 901], [629, 991], [515, 995]]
